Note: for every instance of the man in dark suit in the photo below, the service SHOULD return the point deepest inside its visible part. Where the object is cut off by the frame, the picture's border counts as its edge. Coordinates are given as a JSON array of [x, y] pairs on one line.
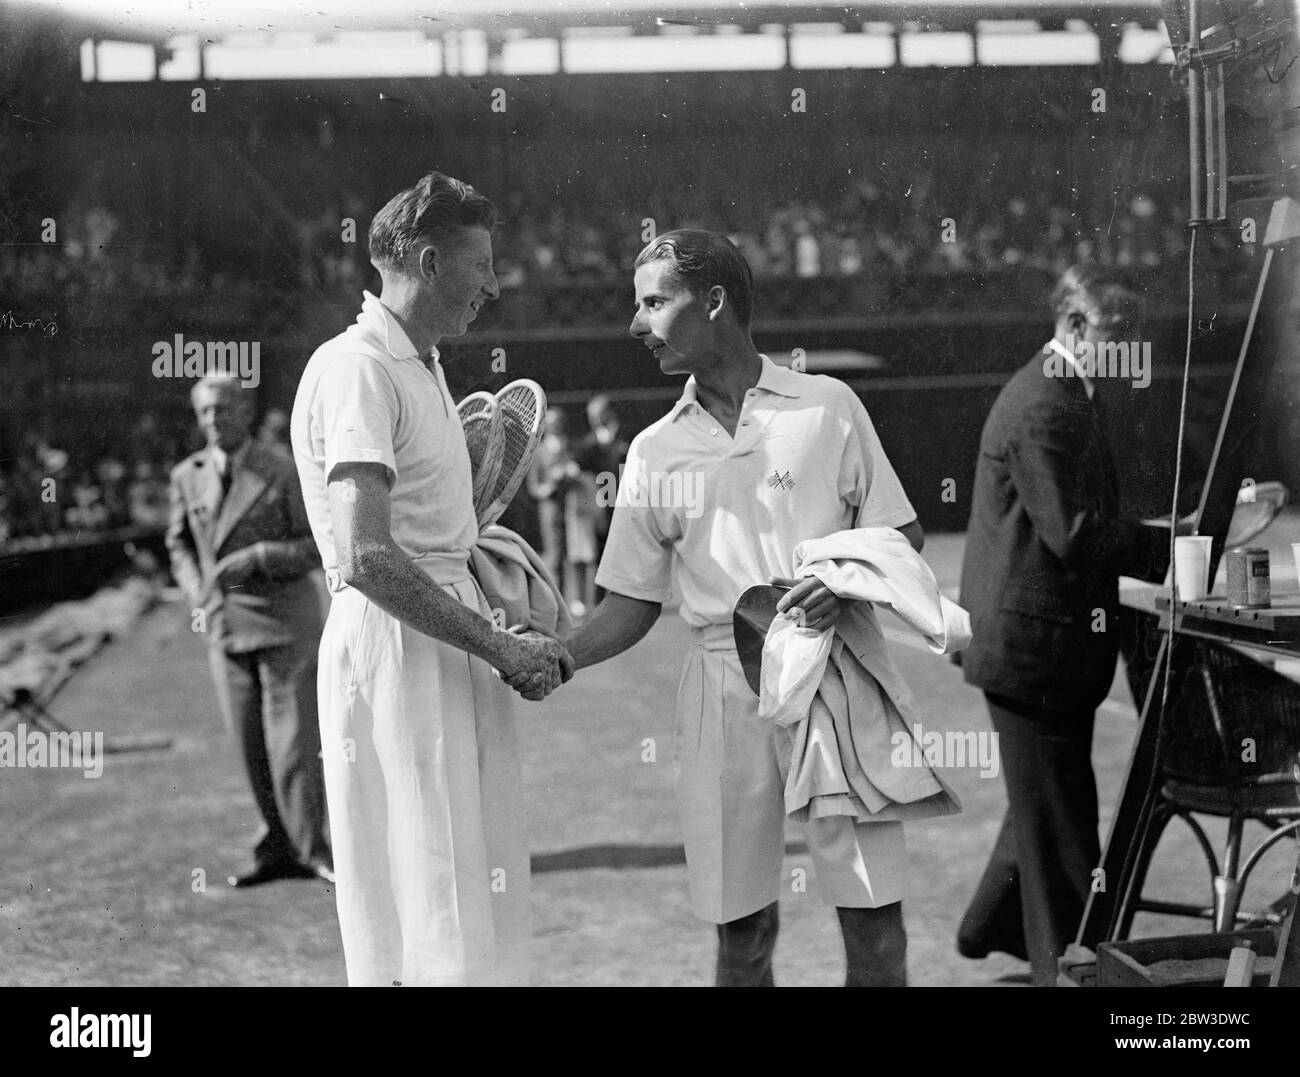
[[1044, 551], [241, 549]]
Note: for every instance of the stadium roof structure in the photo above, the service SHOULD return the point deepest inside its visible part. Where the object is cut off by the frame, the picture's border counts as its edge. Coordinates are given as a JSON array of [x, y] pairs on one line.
[[159, 20]]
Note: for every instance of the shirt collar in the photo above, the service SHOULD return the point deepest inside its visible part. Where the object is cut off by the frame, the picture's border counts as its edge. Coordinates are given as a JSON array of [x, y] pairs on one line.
[[771, 379], [1064, 352], [224, 460], [777, 379], [380, 320]]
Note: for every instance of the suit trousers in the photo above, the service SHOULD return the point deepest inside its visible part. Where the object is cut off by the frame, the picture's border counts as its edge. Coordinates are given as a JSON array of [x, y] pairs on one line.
[[1031, 897], [268, 697]]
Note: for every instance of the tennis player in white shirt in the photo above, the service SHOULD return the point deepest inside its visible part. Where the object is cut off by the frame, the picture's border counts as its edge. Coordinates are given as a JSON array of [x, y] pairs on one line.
[[773, 457], [422, 768]]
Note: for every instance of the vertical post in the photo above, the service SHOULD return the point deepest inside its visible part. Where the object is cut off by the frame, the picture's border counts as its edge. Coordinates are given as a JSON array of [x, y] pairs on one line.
[[1195, 123], [1216, 144], [1286, 965]]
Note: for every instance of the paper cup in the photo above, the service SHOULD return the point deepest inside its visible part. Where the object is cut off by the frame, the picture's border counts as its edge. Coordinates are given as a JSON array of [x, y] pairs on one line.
[[1192, 566]]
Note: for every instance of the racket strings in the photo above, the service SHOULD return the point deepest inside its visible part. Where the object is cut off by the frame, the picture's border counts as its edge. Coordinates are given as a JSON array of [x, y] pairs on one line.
[[481, 422], [521, 406], [517, 420], [501, 433]]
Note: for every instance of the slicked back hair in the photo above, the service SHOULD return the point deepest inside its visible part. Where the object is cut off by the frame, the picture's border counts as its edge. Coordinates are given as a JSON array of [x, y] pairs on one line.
[[222, 385], [1088, 284], [700, 260], [427, 211]]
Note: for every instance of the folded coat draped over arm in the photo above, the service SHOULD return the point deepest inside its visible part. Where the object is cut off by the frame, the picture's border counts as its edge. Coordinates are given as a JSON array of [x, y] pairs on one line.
[[514, 580], [846, 719]]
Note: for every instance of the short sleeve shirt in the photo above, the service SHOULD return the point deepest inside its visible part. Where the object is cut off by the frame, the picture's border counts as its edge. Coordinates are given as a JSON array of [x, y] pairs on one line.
[[707, 515], [366, 396]]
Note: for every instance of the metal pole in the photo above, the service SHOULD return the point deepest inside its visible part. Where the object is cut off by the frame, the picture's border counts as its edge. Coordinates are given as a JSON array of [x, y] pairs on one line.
[[1195, 97]]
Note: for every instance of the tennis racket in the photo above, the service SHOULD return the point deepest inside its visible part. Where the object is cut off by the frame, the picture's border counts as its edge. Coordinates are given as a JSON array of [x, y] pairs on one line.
[[520, 409], [481, 421], [1257, 507]]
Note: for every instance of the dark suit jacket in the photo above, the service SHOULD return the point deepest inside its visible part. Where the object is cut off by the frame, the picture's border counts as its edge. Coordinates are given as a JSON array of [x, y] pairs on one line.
[[1045, 548], [278, 606]]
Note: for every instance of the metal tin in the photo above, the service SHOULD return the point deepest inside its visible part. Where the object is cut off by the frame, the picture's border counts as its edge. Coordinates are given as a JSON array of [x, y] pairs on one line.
[[1248, 580]]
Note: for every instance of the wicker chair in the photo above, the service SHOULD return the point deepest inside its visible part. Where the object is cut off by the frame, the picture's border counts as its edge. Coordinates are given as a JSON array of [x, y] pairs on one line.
[[1227, 748]]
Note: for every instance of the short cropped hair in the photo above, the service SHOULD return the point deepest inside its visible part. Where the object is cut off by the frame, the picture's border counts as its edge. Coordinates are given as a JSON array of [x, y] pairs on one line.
[[700, 260], [434, 206], [1089, 284], [222, 384]]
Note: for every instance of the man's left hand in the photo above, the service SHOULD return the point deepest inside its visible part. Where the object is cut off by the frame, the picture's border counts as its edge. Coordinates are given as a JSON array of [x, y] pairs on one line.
[[811, 603]]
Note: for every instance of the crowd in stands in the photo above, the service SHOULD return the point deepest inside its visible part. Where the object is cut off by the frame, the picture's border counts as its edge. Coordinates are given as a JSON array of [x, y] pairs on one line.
[[87, 260], [861, 232], [565, 506], [46, 491]]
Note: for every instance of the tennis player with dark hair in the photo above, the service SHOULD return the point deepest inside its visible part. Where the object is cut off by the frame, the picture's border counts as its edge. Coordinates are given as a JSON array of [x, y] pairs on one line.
[[780, 457], [421, 763]]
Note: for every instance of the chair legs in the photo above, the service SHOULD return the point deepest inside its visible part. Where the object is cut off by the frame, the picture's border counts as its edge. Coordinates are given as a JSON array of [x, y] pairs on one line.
[[1291, 829], [1228, 882], [1130, 901]]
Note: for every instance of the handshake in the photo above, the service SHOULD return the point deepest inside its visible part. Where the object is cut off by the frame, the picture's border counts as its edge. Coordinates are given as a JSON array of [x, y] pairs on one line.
[[533, 663]]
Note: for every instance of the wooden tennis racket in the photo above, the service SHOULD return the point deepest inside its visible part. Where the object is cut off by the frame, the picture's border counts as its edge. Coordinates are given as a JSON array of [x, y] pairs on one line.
[[481, 421], [520, 408]]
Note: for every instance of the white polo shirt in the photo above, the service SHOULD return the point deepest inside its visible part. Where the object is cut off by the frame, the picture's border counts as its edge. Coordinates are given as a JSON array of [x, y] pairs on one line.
[[367, 397], [708, 515]]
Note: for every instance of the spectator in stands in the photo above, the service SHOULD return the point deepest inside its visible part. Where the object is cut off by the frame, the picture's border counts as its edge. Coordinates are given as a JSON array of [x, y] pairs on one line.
[[581, 516], [550, 475], [146, 441], [49, 485], [273, 434], [147, 497], [6, 521], [87, 511], [111, 477], [600, 455]]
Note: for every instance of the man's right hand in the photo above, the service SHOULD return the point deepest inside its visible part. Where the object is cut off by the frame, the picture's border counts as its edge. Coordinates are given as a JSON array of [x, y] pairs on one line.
[[534, 664]]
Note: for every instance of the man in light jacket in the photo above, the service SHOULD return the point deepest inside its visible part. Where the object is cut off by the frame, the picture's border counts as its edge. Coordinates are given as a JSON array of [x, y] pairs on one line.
[[241, 549]]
